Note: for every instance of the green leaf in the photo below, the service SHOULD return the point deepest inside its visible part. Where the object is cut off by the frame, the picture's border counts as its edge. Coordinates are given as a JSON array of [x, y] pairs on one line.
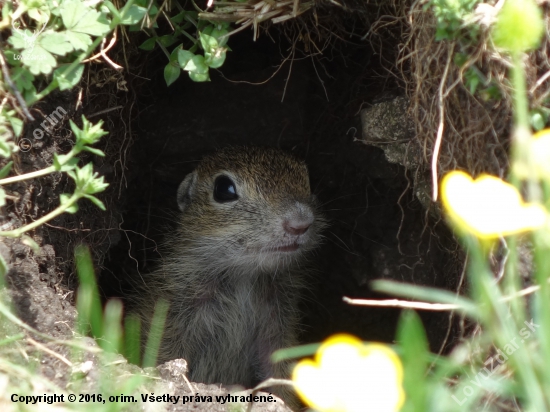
[[67, 80], [220, 33], [132, 338], [178, 18], [22, 78], [16, 125], [89, 134], [30, 95], [112, 331], [79, 41], [414, 353], [39, 61], [196, 65], [55, 43], [72, 209], [57, 162], [6, 10], [64, 200], [473, 82], [64, 163], [55, 7], [87, 182], [6, 169], [167, 40], [69, 164], [208, 43], [41, 15], [133, 15], [3, 267], [79, 18], [13, 57], [88, 303], [171, 73], [148, 44], [441, 34], [207, 29], [215, 60], [33, 55], [96, 201], [94, 151], [184, 56], [174, 54], [5, 147], [460, 59], [538, 120], [21, 39], [199, 77]]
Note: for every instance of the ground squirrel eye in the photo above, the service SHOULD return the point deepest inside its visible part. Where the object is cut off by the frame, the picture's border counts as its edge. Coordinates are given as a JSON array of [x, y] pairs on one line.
[[224, 190]]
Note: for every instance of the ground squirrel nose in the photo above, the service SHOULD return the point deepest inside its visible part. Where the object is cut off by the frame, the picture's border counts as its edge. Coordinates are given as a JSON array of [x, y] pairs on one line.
[[296, 227]]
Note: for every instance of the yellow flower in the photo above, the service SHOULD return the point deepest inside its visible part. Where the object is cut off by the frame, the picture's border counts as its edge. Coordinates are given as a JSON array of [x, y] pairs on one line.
[[488, 207], [540, 151], [348, 376]]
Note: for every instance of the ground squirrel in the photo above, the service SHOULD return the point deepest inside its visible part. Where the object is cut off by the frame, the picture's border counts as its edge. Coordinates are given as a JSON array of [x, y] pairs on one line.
[[235, 265]]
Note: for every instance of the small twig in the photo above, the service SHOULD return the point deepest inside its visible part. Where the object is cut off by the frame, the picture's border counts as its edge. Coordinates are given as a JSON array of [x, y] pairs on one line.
[[441, 127], [539, 82], [50, 352], [98, 55], [396, 303], [103, 53], [107, 59], [160, 44], [295, 8], [7, 78], [104, 111], [168, 20], [188, 383]]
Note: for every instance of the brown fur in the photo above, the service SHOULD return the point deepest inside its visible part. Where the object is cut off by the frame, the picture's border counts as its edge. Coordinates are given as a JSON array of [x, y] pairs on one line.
[[233, 299]]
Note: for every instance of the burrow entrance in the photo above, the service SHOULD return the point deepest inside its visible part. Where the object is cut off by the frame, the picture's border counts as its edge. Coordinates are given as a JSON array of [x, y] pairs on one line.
[[309, 105]]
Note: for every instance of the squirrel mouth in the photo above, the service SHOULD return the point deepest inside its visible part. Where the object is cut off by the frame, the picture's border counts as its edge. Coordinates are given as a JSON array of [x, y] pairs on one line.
[[287, 248]]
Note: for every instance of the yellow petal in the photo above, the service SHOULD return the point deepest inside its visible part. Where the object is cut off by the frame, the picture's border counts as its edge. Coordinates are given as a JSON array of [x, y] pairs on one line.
[[348, 376], [488, 207]]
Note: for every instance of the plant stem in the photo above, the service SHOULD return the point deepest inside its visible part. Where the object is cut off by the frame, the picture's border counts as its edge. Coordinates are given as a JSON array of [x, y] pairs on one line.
[[27, 176], [521, 112], [63, 160], [54, 213]]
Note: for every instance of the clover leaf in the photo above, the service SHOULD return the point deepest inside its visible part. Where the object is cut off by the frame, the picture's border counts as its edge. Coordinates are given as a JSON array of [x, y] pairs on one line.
[[81, 19], [54, 42]]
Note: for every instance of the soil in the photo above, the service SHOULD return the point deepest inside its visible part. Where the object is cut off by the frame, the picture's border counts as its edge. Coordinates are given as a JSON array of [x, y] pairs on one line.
[[379, 229]]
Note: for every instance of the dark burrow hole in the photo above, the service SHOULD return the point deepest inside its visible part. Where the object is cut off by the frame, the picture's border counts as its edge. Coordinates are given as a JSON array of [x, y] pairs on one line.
[[310, 106]]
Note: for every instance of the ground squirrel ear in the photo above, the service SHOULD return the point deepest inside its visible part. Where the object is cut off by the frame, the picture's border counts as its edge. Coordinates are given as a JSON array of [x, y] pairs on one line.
[[185, 190]]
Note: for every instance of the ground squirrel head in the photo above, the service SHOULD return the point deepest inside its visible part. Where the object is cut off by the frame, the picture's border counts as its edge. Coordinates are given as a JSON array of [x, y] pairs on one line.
[[249, 208]]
